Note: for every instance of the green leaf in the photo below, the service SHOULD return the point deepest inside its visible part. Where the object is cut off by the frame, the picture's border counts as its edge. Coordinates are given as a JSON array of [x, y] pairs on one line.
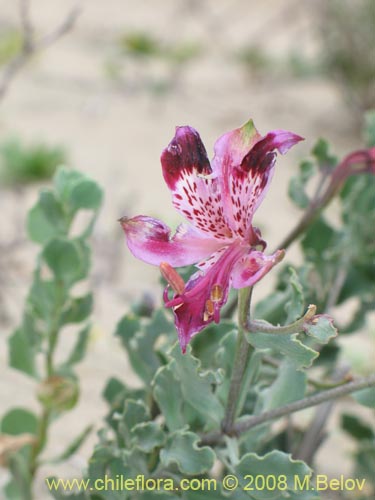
[[298, 183], [53, 211], [301, 355], [323, 330], [86, 194], [196, 386], [167, 393], [113, 389], [278, 464], [39, 228], [365, 397], [204, 347], [370, 128], [295, 305], [323, 155], [182, 450], [147, 435], [19, 421], [79, 348], [20, 486], [139, 340], [289, 386], [356, 428], [73, 447], [68, 260], [22, 351], [78, 309], [135, 412]]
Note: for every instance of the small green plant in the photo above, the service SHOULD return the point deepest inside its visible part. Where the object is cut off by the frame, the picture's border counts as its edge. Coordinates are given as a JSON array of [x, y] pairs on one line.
[[23, 164], [51, 306]]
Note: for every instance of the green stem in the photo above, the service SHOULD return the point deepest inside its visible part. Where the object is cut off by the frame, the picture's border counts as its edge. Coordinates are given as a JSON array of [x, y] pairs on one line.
[[265, 327], [41, 439], [44, 420], [250, 422], [241, 358]]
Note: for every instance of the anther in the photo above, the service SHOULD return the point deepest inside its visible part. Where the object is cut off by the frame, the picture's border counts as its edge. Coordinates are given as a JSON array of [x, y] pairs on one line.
[[216, 293]]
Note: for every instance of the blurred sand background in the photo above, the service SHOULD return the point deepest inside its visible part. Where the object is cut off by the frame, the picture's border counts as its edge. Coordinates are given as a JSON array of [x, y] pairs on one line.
[[114, 128]]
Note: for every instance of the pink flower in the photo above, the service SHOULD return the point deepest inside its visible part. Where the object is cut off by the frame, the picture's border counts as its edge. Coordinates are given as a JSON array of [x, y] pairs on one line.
[[219, 200]]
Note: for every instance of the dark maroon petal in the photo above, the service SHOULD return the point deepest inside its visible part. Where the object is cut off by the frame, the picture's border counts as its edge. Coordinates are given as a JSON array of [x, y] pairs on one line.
[[195, 192], [184, 153], [261, 157]]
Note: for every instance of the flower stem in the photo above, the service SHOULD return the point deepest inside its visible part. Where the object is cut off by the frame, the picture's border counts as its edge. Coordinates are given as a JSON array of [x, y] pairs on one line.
[[264, 327], [314, 400], [241, 358]]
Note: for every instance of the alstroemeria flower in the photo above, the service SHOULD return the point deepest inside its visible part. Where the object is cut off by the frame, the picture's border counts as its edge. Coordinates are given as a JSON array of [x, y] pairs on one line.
[[218, 199]]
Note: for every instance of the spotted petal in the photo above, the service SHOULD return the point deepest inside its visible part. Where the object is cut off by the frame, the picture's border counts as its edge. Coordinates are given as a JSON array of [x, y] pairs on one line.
[[195, 191], [150, 240], [244, 162]]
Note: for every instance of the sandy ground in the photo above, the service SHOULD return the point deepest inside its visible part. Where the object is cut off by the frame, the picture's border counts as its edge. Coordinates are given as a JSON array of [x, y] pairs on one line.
[[115, 129]]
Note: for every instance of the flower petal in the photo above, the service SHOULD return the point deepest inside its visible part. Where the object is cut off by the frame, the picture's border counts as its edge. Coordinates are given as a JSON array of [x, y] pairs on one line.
[[205, 293], [188, 174], [252, 267], [244, 163], [149, 240]]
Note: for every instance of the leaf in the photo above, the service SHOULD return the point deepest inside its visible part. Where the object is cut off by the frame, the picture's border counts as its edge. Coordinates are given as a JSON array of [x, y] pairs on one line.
[[182, 450], [73, 447], [356, 428], [22, 352], [323, 155], [370, 128], [40, 227], [139, 340], [53, 211], [44, 298], [19, 421], [19, 487], [289, 386], [365, 397], [86, 194], [301, 355], [323, 330], [79, 348], [297, 185], [295, 305], [135, 412], [68, 260], [167, 393], [196, 386], [147, 435], [113, 389], [204, 347], [78, 309], [318, 237], [278, 464]]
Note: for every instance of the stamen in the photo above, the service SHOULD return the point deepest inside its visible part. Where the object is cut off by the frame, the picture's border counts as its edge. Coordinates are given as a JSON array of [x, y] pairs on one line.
[[172, 278], [216, 293], [209, 311]]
